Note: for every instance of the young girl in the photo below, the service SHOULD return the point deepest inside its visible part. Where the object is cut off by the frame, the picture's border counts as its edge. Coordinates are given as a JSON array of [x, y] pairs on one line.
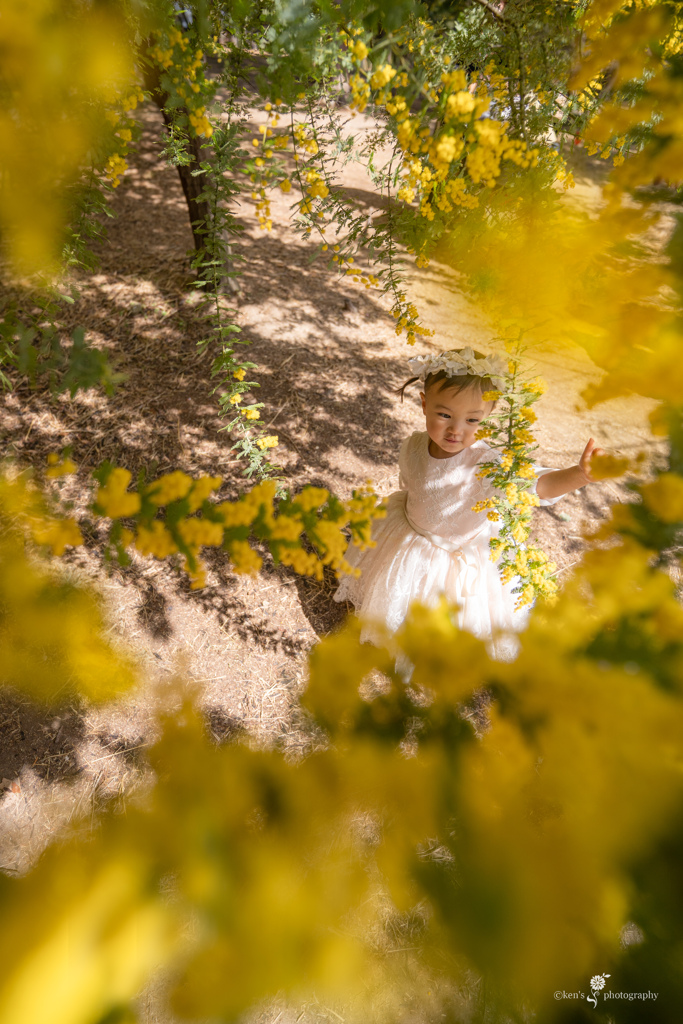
[[431, 543]]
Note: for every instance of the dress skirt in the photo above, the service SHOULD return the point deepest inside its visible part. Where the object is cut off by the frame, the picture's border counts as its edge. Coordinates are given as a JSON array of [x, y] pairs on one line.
[[405, 566]]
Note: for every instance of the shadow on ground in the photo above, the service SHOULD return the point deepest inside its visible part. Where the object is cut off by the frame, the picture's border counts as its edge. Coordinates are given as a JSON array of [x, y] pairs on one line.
[[141, 306]]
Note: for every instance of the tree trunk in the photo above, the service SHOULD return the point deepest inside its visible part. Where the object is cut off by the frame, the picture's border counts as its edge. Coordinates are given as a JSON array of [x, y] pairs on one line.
[[193, 184]]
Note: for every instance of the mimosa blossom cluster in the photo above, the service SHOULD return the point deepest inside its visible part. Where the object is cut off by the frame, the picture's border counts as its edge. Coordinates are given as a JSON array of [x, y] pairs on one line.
[[511, 472], [176, 514]]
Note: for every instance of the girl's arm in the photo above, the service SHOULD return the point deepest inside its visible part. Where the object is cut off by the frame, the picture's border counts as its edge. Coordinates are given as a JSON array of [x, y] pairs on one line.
[[562, 481]]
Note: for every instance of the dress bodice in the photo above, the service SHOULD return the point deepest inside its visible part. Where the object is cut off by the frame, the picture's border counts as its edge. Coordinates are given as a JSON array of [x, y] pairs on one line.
[[441, 492]]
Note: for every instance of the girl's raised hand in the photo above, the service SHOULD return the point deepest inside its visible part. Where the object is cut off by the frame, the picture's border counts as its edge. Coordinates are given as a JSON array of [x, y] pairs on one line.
[[585, 461]]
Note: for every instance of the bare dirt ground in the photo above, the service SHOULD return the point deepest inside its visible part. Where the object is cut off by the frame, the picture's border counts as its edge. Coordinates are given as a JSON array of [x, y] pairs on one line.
[[328, 359]]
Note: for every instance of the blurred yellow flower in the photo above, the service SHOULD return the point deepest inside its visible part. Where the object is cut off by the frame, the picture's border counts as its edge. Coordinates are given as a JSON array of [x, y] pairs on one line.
[[665, 497], [113, 498]]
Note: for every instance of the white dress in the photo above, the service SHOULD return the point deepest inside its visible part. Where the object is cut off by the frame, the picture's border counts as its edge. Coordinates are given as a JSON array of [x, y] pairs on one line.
[[431, 544]]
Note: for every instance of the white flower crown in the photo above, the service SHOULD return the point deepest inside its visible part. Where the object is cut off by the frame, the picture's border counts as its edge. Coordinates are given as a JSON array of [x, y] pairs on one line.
[[460, 361]]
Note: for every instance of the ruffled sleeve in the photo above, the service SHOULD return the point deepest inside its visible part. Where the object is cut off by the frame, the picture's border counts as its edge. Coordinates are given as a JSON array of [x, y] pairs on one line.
[[541, 471]]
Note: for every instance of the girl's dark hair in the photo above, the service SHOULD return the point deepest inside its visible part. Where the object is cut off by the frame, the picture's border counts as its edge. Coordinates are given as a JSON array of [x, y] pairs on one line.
[[446, 383]]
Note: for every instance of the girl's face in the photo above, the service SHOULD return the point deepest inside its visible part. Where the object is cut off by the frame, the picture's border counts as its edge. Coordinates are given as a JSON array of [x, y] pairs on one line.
[[453, 418]]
